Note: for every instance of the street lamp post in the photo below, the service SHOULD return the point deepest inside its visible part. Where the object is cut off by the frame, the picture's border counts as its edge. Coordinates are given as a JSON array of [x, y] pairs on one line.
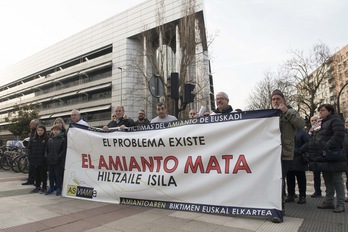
[[338, 99], [121, 83]]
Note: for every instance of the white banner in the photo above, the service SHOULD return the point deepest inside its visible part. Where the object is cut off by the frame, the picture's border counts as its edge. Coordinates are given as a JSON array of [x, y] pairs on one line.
[[222, 164]]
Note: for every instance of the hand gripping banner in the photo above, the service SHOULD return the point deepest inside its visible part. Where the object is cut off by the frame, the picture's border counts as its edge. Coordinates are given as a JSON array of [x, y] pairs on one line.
[[220, 164]]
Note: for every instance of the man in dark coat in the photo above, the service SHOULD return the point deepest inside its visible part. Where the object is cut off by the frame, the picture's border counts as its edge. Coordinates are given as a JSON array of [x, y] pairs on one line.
[[298, 168], [31, 175], [119, 119], [290, 121], [222, 104]]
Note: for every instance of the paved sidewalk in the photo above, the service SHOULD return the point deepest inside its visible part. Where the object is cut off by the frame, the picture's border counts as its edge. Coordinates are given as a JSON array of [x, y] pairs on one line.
[[22, 211]]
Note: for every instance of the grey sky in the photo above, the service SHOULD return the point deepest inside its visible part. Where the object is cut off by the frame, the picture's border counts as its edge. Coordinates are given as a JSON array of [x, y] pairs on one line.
[[251, 36]]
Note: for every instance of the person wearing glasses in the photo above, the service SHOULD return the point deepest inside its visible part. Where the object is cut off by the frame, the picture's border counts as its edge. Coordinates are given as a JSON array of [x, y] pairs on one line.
[[119, 119], [193, 114], [315, 125], [142, 120], [222, 101]]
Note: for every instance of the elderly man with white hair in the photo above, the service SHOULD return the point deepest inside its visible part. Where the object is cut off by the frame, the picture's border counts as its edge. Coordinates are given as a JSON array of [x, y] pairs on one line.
[[76, 118], [222, 101]]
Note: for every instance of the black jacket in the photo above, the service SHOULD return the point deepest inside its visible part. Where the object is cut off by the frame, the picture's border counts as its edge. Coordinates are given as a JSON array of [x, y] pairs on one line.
[[329, 136], [227, 110], [56, 150], [301, 141], [127, 121], [36, 151], [345, 145]]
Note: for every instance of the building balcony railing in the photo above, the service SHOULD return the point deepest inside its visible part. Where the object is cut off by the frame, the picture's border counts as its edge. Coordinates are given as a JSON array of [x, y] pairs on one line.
[[45, 80], [49, 96], [80, 105]]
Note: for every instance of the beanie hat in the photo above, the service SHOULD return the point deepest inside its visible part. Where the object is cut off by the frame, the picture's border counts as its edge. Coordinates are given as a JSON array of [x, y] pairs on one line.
[[278, 92]]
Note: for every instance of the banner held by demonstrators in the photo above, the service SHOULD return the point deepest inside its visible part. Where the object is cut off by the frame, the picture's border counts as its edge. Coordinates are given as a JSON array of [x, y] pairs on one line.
[[221, 164]]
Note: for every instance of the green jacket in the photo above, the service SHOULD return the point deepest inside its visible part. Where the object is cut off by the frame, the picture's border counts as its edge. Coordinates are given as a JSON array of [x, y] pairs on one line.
[[290, 121]]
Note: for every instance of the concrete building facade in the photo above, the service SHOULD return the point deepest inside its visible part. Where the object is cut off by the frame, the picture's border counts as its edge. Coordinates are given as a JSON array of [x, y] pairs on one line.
[[340, 72], [111, 64]]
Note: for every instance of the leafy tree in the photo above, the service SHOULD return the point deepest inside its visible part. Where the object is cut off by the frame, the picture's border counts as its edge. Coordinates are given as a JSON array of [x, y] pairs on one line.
[[20, 120]]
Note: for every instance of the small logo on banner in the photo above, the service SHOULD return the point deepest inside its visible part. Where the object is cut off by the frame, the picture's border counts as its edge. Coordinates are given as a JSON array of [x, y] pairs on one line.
[[79, 191]]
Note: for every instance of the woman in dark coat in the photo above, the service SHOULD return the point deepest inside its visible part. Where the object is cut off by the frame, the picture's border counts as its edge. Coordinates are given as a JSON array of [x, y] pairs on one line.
[[36, 157], [329, 137]]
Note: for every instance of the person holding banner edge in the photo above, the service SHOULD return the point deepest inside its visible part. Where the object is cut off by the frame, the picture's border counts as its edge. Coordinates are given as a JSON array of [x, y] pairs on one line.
[[222, 101], [162, 114], [75, 117], [290, 121], [119, 119], [142, 120]]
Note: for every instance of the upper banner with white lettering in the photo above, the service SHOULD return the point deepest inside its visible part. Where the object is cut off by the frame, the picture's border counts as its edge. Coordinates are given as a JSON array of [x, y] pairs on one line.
[[224, 164]]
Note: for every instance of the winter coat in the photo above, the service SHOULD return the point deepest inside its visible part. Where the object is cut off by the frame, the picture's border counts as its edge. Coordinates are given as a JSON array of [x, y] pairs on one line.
[[227, 110], [56, 150], [299, 162], [290, 121], [329, 136], [126, 121], [345, 145], [145, 122], [36, 151]]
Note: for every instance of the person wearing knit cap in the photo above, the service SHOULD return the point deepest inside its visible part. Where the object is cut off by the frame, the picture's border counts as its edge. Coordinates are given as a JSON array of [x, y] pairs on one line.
[[290, 121]]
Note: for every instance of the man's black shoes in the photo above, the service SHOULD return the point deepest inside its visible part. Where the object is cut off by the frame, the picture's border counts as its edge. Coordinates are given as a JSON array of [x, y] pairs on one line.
[[315, 195], [28, 183], [276, 220], [301, 200]]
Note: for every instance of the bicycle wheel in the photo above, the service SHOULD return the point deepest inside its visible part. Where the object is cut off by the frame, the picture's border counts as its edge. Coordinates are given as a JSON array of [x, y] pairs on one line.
[[15, 162], [23, 164], [5, 161]]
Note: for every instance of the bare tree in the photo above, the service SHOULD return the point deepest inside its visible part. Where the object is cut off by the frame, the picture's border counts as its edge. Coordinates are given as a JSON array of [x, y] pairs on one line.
[[260, 96], [307, 74], [171, 47]]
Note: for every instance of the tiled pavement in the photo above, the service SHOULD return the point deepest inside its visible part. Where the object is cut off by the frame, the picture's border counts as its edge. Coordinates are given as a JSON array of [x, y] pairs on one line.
[[22, 211]]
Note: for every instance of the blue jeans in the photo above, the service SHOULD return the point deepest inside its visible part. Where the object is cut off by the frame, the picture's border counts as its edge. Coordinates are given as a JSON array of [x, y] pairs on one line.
[[55, 173], [334, 182]]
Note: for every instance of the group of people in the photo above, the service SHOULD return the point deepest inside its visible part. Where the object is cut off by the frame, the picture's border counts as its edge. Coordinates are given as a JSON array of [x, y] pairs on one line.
[[123, 121], [47, 152], [304, 150], [327, 133]]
